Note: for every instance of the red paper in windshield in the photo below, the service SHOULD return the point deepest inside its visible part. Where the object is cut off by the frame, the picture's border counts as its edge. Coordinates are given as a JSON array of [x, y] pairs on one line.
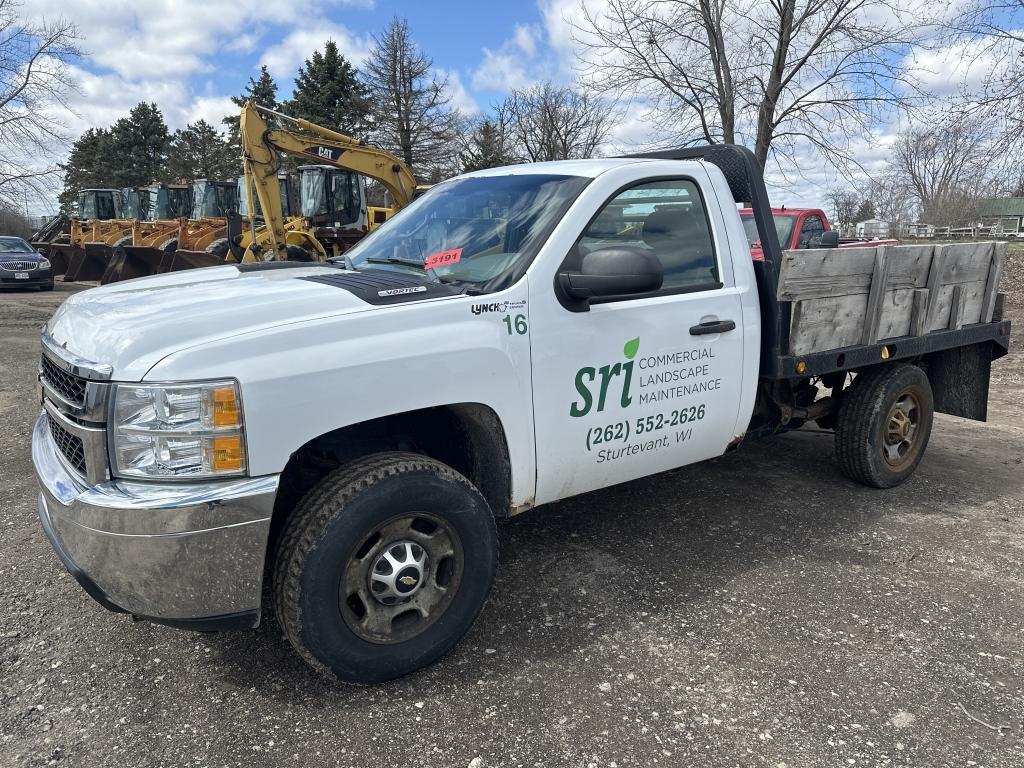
[[443, 258]]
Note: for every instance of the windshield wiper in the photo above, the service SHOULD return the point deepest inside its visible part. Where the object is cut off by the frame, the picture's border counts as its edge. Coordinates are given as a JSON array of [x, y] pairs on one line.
[[396, 260]]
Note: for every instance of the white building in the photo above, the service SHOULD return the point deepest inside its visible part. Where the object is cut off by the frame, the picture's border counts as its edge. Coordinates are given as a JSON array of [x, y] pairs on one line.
[[872, 228]]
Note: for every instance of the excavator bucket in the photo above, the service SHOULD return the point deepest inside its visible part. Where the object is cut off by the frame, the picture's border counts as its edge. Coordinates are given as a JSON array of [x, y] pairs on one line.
[[90, 263], [182, 259]]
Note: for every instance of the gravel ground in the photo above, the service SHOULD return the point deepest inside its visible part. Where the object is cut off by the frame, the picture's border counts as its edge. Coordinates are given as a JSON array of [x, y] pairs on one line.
[[757, 610]]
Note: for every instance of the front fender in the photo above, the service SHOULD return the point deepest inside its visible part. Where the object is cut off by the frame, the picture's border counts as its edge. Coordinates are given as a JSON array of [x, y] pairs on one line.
[[302, 380]]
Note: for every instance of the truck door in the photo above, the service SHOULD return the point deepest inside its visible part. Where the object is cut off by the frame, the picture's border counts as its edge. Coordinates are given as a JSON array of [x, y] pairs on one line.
[[640, 384]]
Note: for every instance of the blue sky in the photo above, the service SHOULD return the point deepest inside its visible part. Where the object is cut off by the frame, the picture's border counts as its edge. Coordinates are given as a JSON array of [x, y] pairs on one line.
[[190, 56]]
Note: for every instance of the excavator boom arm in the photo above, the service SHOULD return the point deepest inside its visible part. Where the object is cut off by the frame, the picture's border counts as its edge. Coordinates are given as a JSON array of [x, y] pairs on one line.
[[261, 145]]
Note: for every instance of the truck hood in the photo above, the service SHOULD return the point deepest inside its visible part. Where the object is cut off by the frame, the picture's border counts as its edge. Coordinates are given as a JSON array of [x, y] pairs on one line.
[[134, 324]]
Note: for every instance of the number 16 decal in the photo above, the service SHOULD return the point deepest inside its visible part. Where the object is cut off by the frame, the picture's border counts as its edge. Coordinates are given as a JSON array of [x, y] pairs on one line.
[[519, 324]]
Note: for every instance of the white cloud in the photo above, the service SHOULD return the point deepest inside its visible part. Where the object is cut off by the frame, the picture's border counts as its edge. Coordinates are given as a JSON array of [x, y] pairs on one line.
[[284, 58], [518, 63], [461, 99]]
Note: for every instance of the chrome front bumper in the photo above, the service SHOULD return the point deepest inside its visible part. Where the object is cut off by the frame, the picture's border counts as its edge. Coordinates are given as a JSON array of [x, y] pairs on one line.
[[182, 554]]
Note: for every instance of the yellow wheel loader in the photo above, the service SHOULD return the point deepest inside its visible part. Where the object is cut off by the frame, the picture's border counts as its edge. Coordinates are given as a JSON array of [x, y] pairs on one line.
[[100, 216], [154, 235]]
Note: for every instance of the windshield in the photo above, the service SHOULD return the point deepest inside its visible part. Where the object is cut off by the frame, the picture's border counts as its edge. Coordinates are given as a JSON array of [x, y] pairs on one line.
[[96, 204], [783, 226], [312, 193], [15, 245], [471, 230]]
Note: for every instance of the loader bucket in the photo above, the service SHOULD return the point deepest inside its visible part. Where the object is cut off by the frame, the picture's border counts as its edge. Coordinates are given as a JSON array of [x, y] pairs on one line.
[[90, 263], [137, 261], [182, 259], [62, 256]]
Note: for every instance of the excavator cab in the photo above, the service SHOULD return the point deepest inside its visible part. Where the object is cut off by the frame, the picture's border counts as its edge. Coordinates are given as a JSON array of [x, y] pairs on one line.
[[334, 203], [213, 198], [331, 197]]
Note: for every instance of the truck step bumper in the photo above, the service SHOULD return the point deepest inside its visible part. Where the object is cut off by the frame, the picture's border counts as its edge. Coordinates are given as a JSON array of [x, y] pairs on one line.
[[187, 555]]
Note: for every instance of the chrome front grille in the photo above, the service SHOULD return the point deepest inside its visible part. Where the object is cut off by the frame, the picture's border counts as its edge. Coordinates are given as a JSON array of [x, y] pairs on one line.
[[67, 385], [74, 394], [70, 446], [17, 266]]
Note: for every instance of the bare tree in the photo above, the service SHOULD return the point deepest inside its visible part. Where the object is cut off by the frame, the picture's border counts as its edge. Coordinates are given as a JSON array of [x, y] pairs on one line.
[[946, 169], [549, 122], [34, 84], [892, 200], [990, 33], [409, 104], [779, 75], [844, 207]]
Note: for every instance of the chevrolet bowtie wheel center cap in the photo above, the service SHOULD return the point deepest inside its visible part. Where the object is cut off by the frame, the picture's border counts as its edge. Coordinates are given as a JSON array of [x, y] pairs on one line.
[[397, 572]]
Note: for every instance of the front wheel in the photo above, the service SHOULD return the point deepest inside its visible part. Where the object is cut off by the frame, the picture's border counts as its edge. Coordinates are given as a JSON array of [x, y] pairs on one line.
[[884, 424], [384, 566]]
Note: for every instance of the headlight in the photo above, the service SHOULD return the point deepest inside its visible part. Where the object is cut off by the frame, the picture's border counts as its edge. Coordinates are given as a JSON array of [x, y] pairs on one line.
[[43, 264], [178, 430]]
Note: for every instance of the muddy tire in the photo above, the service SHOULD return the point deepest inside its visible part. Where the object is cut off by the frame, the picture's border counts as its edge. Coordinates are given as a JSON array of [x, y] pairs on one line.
[[884, 424], [298, 253], [383, 567]]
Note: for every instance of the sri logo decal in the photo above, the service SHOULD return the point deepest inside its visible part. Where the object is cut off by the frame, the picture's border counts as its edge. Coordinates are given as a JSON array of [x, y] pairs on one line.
[[592, 381]]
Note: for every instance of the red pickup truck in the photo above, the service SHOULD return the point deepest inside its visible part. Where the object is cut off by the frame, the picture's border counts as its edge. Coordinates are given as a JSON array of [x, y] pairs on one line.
[[800, 228]]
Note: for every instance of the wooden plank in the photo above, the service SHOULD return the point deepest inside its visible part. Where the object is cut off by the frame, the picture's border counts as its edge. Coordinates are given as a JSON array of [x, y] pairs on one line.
[[821, 272], [973, 294], [995, 273], [876, 296], [827, 323], [966, 262], [934, 284], [909, 265], [956, 309], [919, 313]]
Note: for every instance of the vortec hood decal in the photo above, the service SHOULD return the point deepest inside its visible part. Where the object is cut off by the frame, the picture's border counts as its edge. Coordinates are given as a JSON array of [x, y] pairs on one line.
[[379, 286], [401, 291]]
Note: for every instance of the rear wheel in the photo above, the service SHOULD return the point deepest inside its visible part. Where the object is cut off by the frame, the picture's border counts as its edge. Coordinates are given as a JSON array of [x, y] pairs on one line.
[[384, 566], [884, 425]]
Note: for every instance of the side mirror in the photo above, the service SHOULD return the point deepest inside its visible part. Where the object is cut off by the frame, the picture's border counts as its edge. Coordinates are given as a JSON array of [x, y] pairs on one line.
[[829, 239], [614, 272]]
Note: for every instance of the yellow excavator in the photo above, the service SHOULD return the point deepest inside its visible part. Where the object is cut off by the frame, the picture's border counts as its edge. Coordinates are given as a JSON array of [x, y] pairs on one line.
[[305, 238]]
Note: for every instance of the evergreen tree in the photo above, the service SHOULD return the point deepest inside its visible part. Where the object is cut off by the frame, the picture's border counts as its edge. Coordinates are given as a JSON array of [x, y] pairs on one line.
[[486, 147], [139, 144], [88, 166], [865, 211], [328, 92], [199, 151], [262, 91]]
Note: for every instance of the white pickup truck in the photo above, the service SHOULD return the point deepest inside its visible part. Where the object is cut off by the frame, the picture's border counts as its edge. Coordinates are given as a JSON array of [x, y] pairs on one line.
[[349, 431]]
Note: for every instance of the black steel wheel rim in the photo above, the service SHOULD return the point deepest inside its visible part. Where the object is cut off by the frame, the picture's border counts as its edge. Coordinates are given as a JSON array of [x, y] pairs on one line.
[[422, 594]]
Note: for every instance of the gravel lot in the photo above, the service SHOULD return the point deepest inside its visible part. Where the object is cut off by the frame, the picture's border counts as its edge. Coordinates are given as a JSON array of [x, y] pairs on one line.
[[755, 610]]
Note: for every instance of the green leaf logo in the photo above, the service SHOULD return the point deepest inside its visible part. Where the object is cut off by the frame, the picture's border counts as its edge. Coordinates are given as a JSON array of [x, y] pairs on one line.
[[631, 348]]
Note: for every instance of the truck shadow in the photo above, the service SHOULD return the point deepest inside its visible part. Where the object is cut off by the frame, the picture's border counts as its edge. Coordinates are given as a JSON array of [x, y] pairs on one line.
[[593, 568]]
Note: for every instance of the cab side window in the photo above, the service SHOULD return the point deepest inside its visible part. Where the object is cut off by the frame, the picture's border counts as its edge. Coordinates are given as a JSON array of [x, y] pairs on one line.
[[810, 232], [666, 217]]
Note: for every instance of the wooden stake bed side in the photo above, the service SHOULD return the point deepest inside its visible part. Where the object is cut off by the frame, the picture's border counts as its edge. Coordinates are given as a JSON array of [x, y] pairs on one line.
[[862, 296]]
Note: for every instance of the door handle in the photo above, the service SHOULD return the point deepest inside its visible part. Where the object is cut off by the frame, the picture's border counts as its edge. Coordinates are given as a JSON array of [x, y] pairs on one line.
[[712, 326]]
